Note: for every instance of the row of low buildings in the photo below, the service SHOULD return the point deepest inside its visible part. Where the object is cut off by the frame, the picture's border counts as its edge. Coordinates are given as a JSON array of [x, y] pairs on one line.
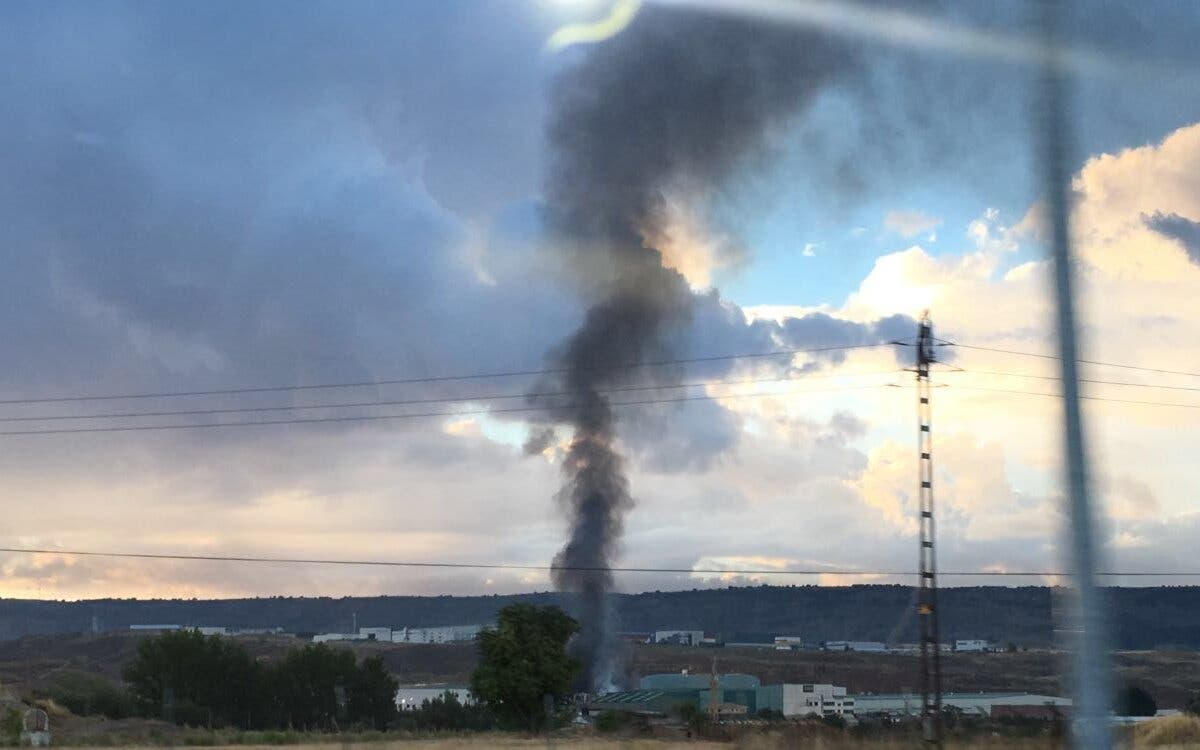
[[204, 629], [736, 695], [742, 694], [441, 634], [793, 642]]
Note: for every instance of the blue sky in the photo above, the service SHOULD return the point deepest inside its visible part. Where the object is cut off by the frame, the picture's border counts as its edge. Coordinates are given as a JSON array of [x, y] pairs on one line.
[[226, 195]]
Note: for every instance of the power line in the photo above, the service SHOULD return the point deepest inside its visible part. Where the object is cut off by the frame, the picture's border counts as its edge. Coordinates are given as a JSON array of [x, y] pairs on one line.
[[1081, 361], [444, 378], [441, 400], [1086, 398], [516, 566], [1055, 377], [382, 417]]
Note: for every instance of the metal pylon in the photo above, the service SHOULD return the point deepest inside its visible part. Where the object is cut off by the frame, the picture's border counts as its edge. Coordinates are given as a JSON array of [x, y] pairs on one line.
[[927, 609]]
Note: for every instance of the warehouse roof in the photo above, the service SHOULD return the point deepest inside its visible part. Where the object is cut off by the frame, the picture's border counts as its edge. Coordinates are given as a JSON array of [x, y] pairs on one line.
[[629, 696]]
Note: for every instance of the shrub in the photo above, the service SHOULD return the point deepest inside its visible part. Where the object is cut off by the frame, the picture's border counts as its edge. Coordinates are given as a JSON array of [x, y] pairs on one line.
[[612, 721], [1181, 730]]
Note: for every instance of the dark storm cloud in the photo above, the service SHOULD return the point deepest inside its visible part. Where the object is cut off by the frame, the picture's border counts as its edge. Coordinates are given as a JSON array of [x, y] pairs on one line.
[[1184, 231], [234, 192]]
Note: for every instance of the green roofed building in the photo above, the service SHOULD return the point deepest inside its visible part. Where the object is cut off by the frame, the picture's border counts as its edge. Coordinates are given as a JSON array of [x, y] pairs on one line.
[[664, 694], [643, 702]]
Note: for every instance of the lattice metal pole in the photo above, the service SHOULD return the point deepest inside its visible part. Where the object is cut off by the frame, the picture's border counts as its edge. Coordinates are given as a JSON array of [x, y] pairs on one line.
[[927, 607]]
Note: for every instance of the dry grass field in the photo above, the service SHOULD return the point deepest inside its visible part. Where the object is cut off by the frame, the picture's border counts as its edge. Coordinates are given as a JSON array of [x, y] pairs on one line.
[[1172, 733], [591, 743]]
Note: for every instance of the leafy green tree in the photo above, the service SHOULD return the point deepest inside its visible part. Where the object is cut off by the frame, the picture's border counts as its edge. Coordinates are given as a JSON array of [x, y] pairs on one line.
[[523, 659], [372, 695], [311, 686], [193, 679], [203, 680]]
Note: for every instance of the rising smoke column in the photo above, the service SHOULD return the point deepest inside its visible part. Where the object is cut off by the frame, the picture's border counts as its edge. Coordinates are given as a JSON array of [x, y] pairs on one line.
[[672, 107]]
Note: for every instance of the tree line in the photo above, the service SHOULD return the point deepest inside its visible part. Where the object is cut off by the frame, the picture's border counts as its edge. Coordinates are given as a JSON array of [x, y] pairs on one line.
[[522, 682], [199, 680]]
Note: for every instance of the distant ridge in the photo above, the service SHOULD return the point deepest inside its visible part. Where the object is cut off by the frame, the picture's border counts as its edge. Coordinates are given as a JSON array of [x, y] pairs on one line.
[[1142, 617]]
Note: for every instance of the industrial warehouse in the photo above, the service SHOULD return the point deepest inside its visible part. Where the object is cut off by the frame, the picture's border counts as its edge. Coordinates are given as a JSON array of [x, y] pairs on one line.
[[729, 696]]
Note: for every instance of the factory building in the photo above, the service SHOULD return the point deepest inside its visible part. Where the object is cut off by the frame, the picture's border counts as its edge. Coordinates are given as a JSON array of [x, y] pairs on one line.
[[375, 634], [445, 634], [814, 700], [972, 645], [743, 694], [974, 704], [736, 694], [871, 647], [679, 637]]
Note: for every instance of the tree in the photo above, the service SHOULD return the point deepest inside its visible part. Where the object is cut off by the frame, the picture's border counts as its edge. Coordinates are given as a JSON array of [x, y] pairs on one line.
[[372, 694], [192, 679], [523, 659], [1134, 701], [312, 685]]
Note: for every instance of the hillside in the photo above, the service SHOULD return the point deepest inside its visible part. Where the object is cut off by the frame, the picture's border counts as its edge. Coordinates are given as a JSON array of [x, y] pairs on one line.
[[1142, 618]]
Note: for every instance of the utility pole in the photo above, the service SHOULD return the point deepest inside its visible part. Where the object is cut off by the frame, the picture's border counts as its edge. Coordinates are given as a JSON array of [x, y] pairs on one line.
[[1092, 671], [927, 610]]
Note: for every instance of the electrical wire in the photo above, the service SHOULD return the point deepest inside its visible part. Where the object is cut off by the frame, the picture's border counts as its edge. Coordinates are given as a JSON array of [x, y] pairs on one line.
[[516, 566], [1055, 377], [1086, 398], [1081, 361], [441, 400], [446, 378], [382, 417]]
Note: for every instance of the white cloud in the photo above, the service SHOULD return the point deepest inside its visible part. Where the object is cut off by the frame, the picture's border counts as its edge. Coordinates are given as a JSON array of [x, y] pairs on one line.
[[909, 223]]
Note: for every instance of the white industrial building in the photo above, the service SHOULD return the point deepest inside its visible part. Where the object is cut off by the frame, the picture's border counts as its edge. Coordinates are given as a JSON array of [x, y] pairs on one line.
[[978, 704], [972, 645], [788, 643], [375, 634], [816, 700], [444, 634], [410, 697], [679, 637], [874, 647]]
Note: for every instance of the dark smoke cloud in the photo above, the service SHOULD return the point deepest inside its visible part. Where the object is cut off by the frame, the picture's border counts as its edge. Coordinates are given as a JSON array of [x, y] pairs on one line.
[[539, 440], [675, 105]]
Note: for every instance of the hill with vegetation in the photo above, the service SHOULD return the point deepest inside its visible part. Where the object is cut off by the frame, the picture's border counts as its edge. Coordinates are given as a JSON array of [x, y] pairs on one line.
[[1142, 618]]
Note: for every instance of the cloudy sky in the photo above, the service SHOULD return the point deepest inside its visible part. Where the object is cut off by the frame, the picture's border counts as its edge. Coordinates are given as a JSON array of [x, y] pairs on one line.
[[215, 196]]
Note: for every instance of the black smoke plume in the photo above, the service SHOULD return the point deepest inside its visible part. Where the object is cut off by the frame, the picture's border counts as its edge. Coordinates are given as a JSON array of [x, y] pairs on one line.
[[676, 104]]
